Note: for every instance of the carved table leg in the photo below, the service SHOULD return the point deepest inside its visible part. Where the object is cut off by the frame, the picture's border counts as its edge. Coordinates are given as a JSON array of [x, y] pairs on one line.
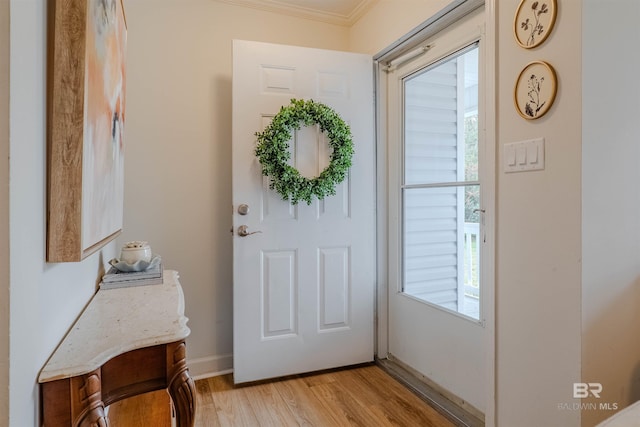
[[181, 386], [87, 398]]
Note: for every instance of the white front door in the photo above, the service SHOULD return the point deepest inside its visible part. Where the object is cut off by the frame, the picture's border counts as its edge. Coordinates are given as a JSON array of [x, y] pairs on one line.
[[439, 207], [304, 284]]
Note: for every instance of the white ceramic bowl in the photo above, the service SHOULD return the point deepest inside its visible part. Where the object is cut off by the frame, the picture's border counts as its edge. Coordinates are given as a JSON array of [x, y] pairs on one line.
[[135, 251]]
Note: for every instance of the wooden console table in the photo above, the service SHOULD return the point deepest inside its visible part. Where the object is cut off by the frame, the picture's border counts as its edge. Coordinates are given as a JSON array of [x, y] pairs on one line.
[[127, 341]]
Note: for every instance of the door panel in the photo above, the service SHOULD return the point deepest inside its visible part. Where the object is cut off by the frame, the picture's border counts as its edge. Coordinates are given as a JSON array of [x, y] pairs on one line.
[[278, 297], [304, 284]]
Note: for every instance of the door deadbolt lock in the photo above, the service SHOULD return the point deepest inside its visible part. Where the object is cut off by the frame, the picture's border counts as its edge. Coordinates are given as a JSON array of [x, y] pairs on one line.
[[243, 209]]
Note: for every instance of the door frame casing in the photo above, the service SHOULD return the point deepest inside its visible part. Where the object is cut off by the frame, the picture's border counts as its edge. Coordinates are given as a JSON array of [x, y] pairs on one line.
[[450, 14]]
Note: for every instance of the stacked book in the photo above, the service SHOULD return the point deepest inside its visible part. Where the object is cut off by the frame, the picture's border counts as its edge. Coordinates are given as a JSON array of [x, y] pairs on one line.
[[115, 278]]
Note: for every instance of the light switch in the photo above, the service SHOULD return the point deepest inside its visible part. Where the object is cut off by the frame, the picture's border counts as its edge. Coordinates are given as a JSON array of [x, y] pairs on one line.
[[521, 154], [532, 153], [524, 155], [510, 155]]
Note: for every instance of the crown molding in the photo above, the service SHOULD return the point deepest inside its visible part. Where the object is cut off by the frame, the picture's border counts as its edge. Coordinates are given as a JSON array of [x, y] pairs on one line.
[[312, 13]]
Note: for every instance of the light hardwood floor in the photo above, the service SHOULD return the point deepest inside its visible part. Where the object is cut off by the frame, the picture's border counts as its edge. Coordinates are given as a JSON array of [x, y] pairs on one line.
[[360, 396]]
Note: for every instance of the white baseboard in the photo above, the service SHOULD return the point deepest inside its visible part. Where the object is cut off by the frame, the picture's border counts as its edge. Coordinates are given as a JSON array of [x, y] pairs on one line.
[[211, 366]]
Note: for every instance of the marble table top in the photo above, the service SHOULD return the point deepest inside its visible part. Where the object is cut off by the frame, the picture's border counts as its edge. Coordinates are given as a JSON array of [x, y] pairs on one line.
[[117, 321]]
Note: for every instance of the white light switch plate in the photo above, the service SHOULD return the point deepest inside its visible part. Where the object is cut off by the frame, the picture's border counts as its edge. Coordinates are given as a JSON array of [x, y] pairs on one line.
[[524, 155]]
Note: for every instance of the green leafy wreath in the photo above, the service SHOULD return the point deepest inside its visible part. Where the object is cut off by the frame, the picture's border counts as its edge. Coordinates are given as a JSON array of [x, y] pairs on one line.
[[273, 153]]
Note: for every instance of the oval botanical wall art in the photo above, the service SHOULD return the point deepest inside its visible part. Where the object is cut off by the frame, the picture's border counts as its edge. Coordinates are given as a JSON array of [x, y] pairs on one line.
[[534, 21], [535, 90]]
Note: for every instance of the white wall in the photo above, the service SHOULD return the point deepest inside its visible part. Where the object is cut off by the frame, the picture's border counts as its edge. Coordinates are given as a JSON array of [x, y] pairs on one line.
[[4, 214], [538, 260], [611, 203], [45, 298], [178, 147]]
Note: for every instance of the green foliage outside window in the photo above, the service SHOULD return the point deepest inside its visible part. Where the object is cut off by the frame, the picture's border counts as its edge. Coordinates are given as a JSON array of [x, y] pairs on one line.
[[472, 192]]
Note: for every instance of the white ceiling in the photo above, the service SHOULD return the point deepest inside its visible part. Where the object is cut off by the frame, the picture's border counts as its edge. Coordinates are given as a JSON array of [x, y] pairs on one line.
[[340, 12]]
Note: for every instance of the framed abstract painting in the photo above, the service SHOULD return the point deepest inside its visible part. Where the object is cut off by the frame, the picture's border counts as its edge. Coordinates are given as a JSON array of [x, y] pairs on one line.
[[86, 82]]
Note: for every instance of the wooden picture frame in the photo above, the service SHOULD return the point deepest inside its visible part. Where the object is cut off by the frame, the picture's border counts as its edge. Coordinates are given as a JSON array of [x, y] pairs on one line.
[[534, 22], [535, 90], [86, 83]]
